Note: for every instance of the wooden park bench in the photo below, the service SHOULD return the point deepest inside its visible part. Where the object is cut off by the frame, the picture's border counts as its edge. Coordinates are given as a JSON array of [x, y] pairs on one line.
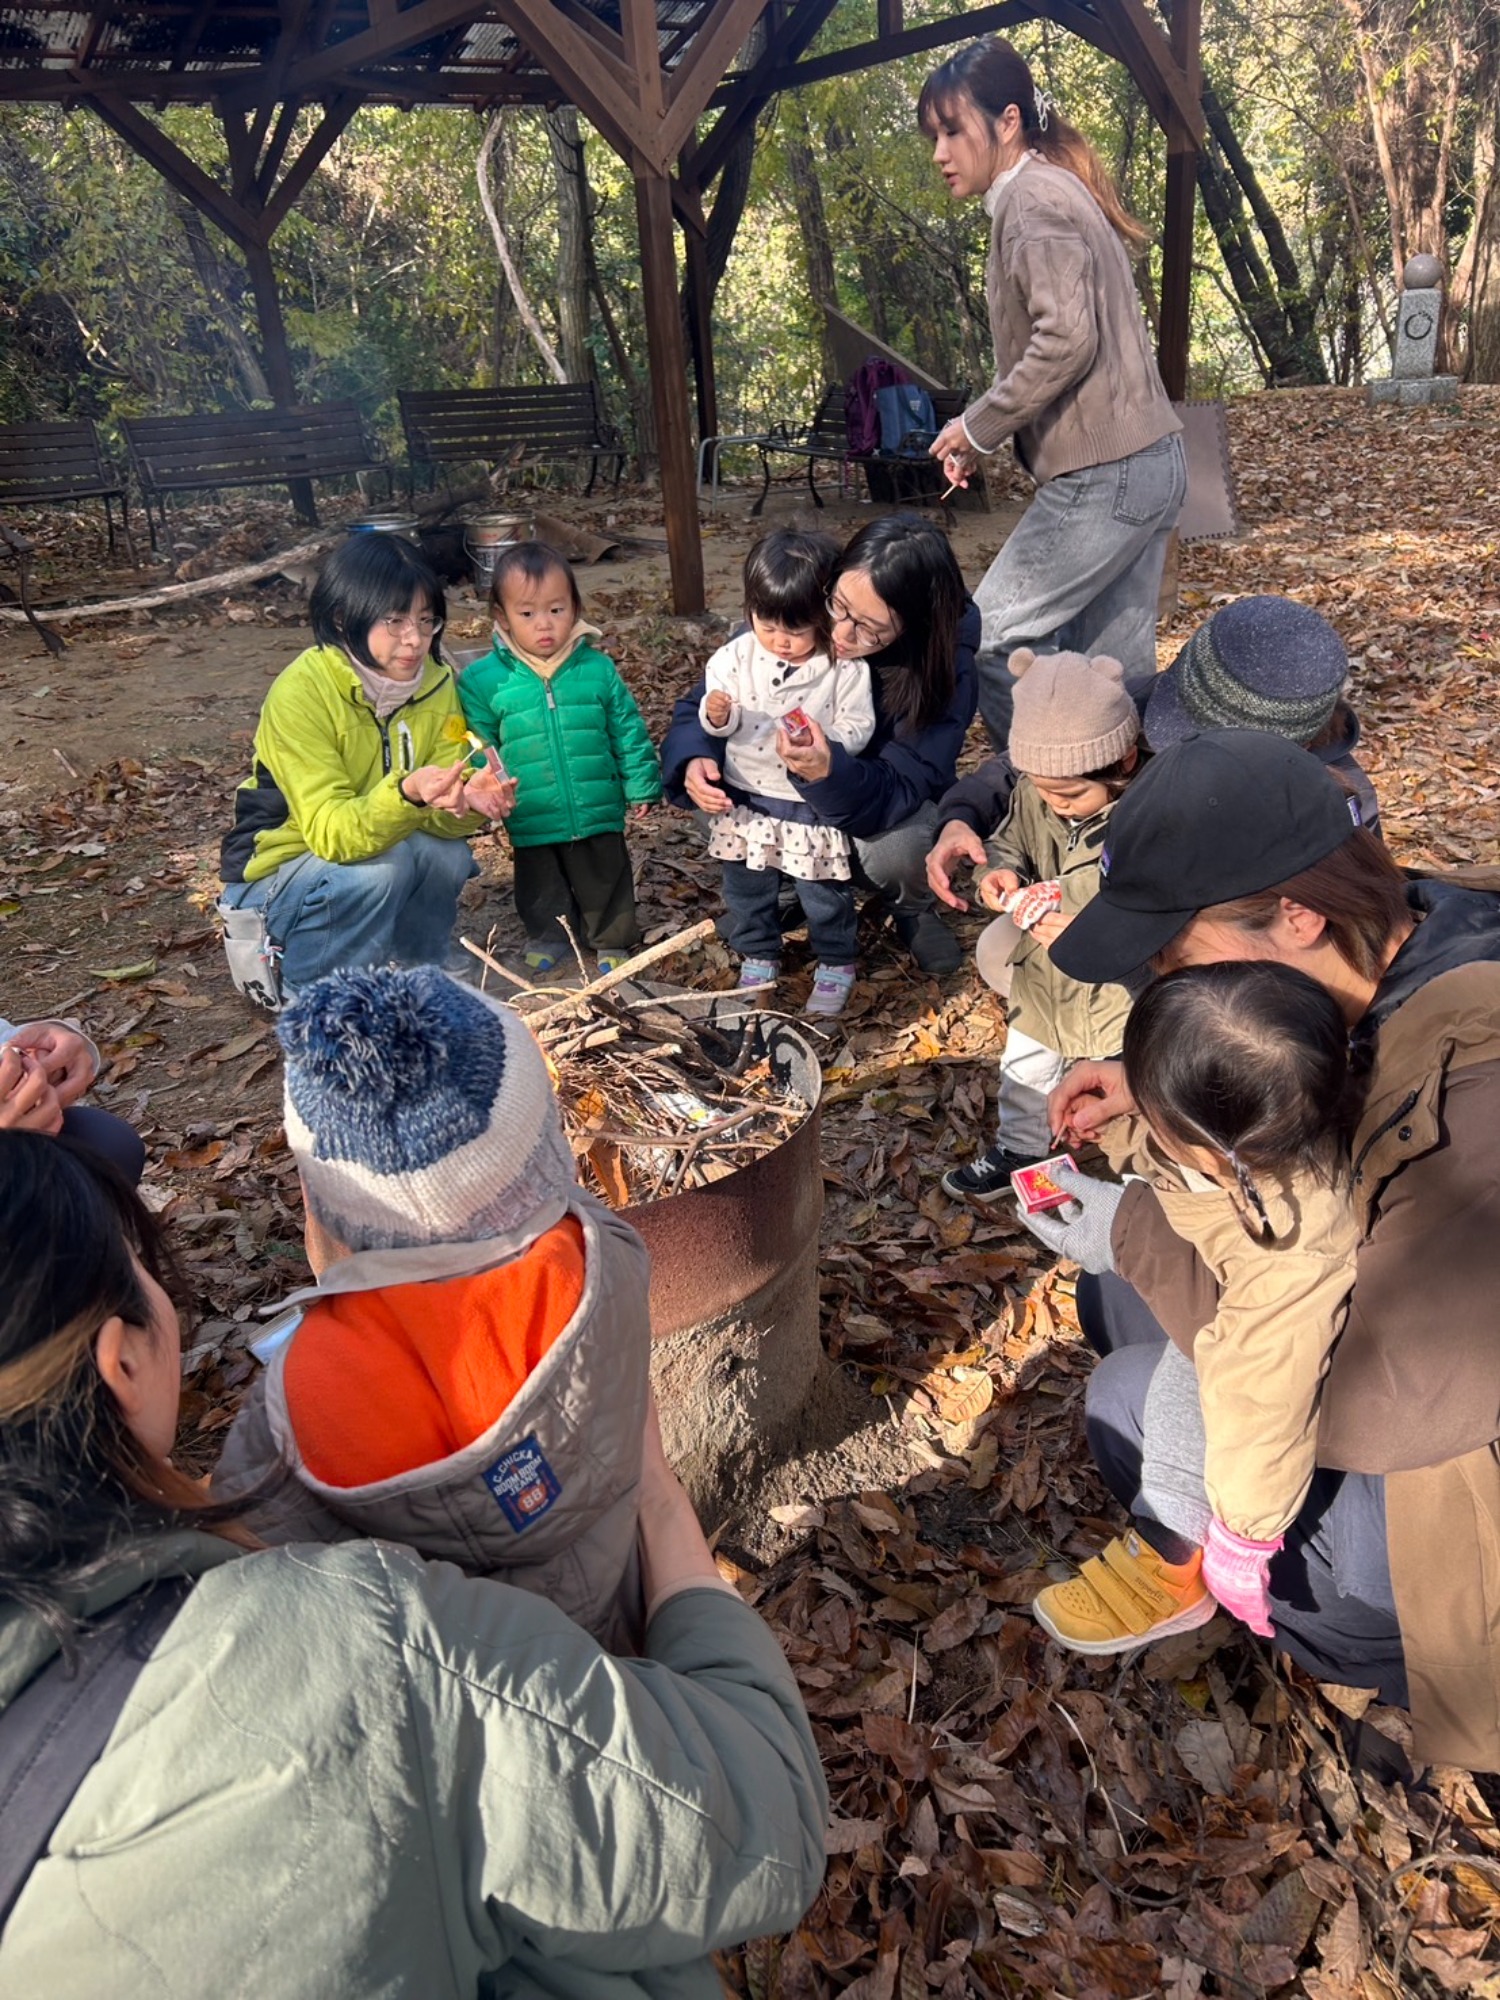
[[249, 448], [49, 464], [548, 420]]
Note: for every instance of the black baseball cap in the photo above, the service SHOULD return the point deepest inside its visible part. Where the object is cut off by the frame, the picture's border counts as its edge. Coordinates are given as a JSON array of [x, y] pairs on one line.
[[1223, 813]]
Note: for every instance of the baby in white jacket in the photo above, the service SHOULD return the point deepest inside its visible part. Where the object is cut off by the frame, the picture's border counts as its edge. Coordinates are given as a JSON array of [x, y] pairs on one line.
[[780, 685]]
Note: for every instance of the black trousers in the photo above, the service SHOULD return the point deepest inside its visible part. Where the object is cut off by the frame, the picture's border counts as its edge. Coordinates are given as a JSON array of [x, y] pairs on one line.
[[1331, 1598], [587, 881]]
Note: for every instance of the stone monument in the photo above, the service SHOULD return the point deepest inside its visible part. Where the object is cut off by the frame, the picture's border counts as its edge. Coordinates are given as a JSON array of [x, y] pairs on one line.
[[1419, 316]]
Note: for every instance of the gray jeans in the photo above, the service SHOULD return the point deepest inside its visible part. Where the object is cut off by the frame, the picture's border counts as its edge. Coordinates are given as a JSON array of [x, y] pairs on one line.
[[1081, 572]]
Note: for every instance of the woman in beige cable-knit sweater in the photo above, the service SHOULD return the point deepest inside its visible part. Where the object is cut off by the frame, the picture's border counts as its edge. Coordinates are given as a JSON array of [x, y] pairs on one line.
[[1075, 384]]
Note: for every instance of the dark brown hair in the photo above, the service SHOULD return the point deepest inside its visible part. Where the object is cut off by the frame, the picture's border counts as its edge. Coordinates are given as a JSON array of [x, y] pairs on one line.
[[1358, 891], [915, 574], [367, 578], [1250, 1059], [75, 1483], [993, 74], [787, 577]]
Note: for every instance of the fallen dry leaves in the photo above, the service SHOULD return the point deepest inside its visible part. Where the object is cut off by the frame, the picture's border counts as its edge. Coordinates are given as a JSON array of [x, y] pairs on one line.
[[1007, 1820]]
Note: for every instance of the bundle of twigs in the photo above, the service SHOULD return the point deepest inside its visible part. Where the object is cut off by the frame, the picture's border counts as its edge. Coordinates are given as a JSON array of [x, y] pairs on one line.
[[654, 1102]]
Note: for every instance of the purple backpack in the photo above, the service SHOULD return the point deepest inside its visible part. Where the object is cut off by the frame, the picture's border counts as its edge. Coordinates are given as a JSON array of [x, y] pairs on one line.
[[861, 411]]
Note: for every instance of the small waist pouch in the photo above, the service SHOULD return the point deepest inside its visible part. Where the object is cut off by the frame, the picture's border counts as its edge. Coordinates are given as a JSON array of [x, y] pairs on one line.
[[254, 962]]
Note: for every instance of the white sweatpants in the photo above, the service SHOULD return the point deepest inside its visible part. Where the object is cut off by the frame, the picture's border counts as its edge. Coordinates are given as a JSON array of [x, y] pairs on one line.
[[1028, 1071]]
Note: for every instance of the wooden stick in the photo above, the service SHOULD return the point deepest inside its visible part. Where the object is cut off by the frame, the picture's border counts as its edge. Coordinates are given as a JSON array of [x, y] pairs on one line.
[[170, 593], [495, 966], [679, 941]]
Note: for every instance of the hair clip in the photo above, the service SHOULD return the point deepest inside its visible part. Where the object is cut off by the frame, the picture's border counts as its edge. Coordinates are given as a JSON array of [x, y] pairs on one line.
[[1251, 1193], [1046, 104]]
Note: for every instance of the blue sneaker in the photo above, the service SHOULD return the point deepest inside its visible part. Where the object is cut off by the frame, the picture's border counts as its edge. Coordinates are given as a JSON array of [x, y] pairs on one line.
[[831, 988], [758, 974]]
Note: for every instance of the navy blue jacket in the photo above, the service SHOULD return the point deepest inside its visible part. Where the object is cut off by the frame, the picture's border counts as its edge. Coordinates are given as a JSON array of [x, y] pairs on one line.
[[892, 778]]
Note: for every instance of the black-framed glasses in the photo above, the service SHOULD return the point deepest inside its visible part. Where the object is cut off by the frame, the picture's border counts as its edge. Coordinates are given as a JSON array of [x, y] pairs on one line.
[[864, 632]]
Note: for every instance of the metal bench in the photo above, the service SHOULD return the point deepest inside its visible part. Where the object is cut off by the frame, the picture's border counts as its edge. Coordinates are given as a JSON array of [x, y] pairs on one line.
[[502, 426], [895, 478], [825, 440], [249, 448]]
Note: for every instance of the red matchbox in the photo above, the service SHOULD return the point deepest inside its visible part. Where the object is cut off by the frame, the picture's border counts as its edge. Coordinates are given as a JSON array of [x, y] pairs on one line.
[[798, 725], [1035, 1188]]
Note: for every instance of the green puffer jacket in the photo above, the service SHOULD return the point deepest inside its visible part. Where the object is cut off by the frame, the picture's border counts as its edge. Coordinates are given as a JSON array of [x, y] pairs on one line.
[[574, 741], [348, 1772], [1041, 846]]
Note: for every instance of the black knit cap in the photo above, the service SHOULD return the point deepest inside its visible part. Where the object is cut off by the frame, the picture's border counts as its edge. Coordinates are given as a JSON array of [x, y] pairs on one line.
[[1259, 663], [1224, 813]]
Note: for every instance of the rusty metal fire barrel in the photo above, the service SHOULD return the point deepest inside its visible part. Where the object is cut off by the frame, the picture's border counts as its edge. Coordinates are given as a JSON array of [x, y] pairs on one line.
[[734, 1283]]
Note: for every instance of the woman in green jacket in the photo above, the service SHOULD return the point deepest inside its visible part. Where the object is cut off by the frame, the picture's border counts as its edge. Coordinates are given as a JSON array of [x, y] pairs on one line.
[[351, 834], [344, 1770]]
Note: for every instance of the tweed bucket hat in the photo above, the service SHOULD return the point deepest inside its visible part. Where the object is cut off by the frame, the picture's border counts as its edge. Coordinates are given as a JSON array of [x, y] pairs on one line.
[[1259, 663]]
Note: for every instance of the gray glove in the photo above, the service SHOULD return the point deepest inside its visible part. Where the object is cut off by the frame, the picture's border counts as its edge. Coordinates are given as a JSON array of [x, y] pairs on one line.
[[1082, 1229]]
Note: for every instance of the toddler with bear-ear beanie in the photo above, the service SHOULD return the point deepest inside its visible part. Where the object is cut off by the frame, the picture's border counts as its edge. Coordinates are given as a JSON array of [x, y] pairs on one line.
[[469, 1376], [1075, 741]]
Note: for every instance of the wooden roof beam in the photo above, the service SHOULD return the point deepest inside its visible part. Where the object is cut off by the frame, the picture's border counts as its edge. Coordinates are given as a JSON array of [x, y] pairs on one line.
[[307, 75], [742, 101], [1148, 54], [175, 167], [723, 34], [321, 142], [584, 68]]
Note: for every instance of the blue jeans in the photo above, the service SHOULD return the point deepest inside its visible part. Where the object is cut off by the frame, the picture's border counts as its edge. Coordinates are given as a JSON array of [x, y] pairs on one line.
[[1081, 572], [753, 898], [325, 915]]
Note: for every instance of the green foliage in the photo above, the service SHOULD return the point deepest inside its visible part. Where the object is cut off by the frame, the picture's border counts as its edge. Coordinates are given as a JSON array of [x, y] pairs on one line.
[[389, 278]]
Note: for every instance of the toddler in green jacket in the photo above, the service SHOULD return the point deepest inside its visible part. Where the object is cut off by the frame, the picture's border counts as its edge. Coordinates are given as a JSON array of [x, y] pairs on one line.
[[568, 731]]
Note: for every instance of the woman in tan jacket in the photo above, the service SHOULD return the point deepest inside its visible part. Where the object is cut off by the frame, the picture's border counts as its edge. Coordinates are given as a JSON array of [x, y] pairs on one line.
[[1076, 386]]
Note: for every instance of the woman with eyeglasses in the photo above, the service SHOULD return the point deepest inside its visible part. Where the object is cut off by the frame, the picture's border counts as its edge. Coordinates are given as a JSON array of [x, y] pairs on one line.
[[350, 837], [898, 602], [1076, 387]]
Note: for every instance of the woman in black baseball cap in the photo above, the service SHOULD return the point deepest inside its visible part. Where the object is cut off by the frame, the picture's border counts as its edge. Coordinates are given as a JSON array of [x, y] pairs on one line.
[[1237, 845]]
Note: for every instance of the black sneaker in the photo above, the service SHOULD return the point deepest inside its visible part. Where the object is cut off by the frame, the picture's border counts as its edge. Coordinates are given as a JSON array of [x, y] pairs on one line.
[[930, 942], [988, 1177]]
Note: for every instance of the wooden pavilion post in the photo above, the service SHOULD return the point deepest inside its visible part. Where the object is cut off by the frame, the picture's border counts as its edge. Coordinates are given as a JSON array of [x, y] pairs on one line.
[[674, 442], [1182, 189]]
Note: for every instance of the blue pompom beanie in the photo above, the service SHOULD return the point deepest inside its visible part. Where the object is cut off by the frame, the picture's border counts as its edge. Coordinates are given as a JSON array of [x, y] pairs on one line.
[[419, 1111]]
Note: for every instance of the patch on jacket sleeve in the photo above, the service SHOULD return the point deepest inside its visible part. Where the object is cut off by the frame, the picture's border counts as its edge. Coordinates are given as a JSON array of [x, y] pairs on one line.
[[523, 1483]]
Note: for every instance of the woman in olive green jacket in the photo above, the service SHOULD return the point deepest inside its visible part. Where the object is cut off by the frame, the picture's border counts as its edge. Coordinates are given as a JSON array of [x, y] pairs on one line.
[[346, 1771]]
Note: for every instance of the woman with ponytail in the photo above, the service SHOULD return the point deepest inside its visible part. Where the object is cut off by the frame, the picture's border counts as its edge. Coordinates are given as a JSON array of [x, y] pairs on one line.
[[1076, 386], [340, 1770]]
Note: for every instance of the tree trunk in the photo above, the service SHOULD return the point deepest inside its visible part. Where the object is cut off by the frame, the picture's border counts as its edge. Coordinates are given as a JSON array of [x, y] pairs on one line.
[[1476, 276], [1414, 64], [215, 283], [566, 142], [1305, 360], [812, 220], [491, 208]]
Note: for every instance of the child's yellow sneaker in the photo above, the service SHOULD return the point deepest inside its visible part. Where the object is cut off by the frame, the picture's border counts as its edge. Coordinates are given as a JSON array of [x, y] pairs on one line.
[[1128, 1596]]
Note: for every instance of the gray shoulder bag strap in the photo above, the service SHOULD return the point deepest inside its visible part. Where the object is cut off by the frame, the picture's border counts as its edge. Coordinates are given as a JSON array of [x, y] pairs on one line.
[[55, 1730]]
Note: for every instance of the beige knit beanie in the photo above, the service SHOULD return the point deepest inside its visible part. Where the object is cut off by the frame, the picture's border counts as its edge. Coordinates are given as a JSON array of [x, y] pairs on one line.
[[1072, 715]]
